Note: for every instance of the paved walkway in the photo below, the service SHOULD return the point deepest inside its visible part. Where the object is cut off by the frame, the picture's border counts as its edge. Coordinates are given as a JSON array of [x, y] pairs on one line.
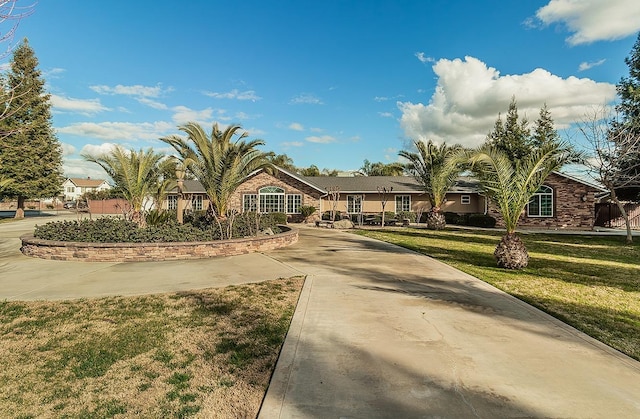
[[379, 332]]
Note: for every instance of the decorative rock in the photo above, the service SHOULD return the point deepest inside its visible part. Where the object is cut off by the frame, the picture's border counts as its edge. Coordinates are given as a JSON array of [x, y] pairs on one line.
[[344, 224]]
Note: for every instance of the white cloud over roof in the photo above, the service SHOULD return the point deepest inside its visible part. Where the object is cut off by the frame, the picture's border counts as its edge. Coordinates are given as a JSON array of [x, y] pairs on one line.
[[469, 95], [593, 20]]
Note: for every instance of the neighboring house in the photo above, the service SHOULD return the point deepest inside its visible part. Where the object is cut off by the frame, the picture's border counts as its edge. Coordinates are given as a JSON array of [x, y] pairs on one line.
[[563, 202], [73, 188]]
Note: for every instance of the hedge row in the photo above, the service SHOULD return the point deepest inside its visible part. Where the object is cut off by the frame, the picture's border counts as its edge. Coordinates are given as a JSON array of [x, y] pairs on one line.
[[197, 227]]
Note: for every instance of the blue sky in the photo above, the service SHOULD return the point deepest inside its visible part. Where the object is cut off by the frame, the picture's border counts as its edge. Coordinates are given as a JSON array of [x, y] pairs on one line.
[[329, 83]]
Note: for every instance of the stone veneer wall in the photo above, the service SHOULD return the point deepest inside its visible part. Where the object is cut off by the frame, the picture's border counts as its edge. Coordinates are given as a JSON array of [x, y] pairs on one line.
[[569, 210], [310, 196], [146, 252]]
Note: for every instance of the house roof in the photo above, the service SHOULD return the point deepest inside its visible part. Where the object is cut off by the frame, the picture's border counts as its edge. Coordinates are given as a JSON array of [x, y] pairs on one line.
[[86, 182], [584, 182]]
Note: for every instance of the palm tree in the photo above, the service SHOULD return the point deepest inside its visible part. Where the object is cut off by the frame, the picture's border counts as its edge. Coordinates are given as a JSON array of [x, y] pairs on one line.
[[135, 173], [510, 184], [220, 164], [437, 170]]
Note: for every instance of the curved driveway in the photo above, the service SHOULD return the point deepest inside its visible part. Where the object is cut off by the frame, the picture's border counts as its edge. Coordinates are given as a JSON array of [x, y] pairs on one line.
[[379, 332]]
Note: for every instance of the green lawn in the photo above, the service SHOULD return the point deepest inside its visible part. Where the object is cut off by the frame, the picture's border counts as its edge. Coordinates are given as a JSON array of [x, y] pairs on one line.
[[206, 352], [589, 282]]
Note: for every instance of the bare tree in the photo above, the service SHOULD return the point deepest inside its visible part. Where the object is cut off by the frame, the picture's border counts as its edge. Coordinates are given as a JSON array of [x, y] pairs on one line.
[[384, 192], [609, 151], [334, 196], [11, 14]]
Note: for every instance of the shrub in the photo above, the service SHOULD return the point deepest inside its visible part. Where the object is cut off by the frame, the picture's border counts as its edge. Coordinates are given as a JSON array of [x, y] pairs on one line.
[[119, 230], [481, 220], [307, 210], [409, 215], [327, 215], [451, 217], [158, 217]]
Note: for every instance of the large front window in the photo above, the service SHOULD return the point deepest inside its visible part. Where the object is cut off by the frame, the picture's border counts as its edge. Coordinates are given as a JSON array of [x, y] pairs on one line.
[[250, 203], [293, 203], [271, 199], [541, 203], [403, 203], [354, 204]]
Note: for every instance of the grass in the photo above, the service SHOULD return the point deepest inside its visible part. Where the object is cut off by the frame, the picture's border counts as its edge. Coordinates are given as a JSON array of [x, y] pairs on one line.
[[207, 353], [589, 282]]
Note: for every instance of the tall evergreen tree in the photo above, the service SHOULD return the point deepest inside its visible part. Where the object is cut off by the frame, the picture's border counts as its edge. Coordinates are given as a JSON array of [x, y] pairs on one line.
[[512, 136], [31, 154], [627, 124]]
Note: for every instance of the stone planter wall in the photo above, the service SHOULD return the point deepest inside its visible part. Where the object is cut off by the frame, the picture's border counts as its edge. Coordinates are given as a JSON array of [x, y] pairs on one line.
[[146, 252]]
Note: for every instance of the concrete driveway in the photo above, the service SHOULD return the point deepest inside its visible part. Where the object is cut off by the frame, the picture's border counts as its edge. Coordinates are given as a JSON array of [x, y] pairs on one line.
[[382, 332]]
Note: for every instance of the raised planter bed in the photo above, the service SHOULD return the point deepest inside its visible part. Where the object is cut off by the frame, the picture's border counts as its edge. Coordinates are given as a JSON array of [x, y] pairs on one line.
[[147, 252]]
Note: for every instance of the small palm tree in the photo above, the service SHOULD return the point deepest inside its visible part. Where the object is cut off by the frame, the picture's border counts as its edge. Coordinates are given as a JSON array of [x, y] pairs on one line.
[[510, 184], [218, 162], [134, 173], [437, 170]]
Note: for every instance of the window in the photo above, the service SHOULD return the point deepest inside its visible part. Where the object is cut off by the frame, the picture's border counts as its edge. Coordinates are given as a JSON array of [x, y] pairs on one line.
[[196, 203], [541, 203], [71, 189], [354, 204], [250, 203], [271, 199], [465, 199], [172, 202], [403, 203], [293, 203]]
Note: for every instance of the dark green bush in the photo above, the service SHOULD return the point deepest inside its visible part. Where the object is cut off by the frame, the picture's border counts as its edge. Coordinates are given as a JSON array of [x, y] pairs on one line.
[[158, 217], [118, 230], [307, 210], [327, 215], [449, 217], [481, 220], [409, 215]]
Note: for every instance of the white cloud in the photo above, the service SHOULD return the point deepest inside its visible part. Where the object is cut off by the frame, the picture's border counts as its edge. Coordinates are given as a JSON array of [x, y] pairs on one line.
[[586, 66], [153, 103], [593, 20], [81, 168], [385, 114], [182, 115], [68, 149], [469, 95], [118, 131], [135, 90], [314, 129], [325, 139], [235, 94], [295, 126], [305, 98], [292, 144], [98, 149], [83, 106], [423, 58]]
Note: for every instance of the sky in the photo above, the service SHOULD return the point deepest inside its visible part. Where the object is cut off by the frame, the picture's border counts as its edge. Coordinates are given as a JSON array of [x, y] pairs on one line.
[[330, 83]]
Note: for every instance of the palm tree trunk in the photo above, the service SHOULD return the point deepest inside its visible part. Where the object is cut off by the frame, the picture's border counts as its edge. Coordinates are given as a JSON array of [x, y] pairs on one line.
[[511, 253], [436, 220]]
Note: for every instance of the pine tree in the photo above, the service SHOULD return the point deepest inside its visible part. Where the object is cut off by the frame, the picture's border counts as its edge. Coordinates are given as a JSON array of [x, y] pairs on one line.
[[544, 131], [627, 124], [512, 137], [31, 154]]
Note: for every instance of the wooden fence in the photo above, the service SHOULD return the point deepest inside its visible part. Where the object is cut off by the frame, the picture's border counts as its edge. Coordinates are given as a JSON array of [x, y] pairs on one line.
[[608, 215]]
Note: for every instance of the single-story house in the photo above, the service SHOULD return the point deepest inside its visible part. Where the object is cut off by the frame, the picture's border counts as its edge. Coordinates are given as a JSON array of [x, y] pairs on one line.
[[73, 188], [563, 201]]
